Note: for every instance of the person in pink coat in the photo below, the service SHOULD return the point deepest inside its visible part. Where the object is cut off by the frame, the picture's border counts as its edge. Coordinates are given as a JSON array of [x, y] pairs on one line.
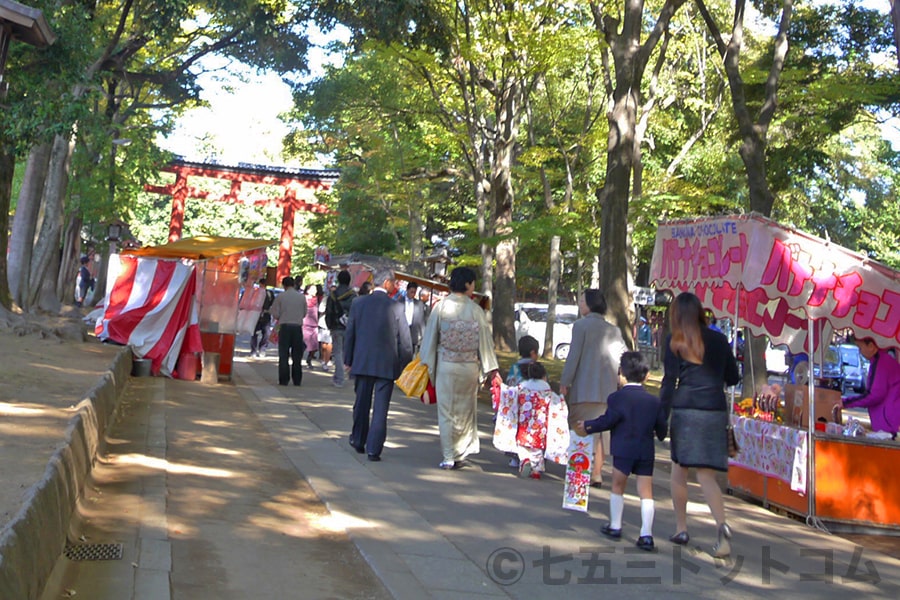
[[882, 395], [311, 324]]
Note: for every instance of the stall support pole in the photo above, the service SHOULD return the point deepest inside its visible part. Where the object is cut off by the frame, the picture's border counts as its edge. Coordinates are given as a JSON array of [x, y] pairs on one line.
[[737, 312], [811, 428]]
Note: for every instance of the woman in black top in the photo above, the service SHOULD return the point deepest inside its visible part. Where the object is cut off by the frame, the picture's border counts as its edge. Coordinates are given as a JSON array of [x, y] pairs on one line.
[[698, 365]]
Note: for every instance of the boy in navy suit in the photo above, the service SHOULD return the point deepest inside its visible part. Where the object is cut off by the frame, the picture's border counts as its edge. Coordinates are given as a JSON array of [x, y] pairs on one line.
[[632, 416]]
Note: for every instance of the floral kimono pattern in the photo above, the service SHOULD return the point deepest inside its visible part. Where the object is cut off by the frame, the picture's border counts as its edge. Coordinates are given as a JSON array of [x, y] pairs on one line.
[[506, 407], [532, 418], [459, 341]]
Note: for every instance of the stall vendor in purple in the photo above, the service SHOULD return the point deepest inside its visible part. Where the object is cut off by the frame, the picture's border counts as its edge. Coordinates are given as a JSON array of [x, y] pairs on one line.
[[882, 395]]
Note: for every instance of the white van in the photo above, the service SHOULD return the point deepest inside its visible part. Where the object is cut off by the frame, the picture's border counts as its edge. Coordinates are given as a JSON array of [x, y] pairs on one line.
[[531, 319]]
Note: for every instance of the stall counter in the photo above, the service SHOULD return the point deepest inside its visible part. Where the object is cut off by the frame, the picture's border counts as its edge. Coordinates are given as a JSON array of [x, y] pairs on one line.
[[856, 480], [854, 477]]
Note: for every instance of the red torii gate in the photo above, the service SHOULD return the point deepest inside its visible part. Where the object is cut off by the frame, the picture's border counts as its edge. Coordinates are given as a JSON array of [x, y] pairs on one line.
[[299, 186]]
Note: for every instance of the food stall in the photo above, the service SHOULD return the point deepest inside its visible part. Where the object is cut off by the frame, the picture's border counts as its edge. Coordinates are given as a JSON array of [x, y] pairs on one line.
[[797, 289], [174, 301]]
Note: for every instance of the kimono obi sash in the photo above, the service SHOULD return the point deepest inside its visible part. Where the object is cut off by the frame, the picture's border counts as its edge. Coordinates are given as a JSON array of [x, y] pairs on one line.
[[459, 341]]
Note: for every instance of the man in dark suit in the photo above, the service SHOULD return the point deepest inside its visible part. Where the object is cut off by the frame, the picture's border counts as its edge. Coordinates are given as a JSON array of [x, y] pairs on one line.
[[415, 314], [376, 349], [632, 416]]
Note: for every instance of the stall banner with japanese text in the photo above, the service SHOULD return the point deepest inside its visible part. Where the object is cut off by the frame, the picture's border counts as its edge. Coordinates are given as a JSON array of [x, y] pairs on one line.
[[784, 277], [772, 450]]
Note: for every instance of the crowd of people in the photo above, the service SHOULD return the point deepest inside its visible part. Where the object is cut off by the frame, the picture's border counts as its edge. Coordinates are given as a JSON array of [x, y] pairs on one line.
[[372, 335], [602, 384]]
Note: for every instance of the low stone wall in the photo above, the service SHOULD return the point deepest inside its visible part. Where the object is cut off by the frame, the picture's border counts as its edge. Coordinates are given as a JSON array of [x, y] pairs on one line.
[[35, 537]]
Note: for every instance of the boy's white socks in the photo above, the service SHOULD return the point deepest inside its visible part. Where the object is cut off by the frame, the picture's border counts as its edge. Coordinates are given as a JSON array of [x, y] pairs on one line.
[[647, 512], [616, 508]]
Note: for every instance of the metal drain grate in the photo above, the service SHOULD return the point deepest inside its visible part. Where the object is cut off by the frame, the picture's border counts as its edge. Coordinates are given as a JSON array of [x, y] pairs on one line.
[[94, 551]]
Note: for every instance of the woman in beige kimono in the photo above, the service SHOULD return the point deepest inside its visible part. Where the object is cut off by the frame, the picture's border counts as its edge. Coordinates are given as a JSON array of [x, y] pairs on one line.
[[458, 349]]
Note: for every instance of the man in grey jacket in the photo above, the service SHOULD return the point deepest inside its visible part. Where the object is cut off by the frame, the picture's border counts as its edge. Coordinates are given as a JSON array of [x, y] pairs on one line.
[[289, 310], [377, 348], [591, 372]]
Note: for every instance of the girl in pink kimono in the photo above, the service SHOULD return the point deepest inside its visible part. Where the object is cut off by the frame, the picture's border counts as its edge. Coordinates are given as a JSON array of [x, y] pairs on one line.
[[311, 325]]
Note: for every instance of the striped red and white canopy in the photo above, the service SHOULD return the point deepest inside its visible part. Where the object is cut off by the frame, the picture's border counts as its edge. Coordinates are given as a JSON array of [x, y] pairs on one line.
[[153, 307]]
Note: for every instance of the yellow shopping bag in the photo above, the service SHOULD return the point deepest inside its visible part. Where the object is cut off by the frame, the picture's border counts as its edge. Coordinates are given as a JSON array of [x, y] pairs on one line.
[[414, 378]]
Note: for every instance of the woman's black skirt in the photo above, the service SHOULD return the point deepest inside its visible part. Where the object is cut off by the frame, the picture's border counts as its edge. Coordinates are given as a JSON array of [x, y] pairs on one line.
[[698, 438]]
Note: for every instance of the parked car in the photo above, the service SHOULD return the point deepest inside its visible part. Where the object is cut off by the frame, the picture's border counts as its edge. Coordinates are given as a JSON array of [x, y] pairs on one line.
[[830, 373], [531, 319], [856, 369]]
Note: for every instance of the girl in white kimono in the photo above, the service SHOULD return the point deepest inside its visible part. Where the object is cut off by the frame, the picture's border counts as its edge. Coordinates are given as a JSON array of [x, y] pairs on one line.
[[457, 349], [532, 422], [542, 427]]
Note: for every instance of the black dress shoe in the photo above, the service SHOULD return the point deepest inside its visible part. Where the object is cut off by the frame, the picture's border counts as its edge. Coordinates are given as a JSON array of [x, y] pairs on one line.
[[681, 538], [645, 542], [359, 449], [611, 533], [374, 458]]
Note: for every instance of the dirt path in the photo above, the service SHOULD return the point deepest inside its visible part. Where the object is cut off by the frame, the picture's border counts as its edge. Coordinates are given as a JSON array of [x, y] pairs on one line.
[[41, 382], [223, 537]]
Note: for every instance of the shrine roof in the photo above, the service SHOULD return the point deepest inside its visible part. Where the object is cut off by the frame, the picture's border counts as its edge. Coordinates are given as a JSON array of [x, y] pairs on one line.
[[256, 170], [27, 24]]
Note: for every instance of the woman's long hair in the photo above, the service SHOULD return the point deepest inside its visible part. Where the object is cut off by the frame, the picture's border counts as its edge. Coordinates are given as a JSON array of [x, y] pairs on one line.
[[687, 320]]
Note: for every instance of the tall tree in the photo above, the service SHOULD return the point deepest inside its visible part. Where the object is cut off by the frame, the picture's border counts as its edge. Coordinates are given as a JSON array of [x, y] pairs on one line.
[[753, 130], [146, 58], [484, 59], [397, 172], [832, 84], [630, 58]]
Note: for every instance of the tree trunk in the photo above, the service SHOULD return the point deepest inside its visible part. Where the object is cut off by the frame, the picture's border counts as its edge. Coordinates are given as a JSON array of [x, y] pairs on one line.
[[7, 169], [21, 244], [613, 247], [71, 252], [753, 154], [505, 276], [481, 157], [48, 299], [630, 58], [613, 196], [555, 260], [756, 374], [895, 19], [42, 279], [552, 293], [503, 196], [416, 247]]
